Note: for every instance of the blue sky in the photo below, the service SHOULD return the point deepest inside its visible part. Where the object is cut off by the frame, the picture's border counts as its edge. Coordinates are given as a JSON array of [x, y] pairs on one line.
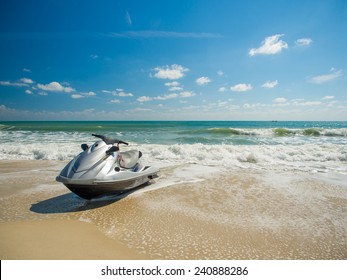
[[173, 60]]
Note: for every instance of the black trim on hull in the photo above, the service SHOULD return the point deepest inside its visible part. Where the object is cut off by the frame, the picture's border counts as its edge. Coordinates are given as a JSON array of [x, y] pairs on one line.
[[93, 191], [90, 192]]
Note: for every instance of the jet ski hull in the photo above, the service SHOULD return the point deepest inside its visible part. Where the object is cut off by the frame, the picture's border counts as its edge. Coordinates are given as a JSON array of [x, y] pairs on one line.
[[101, 169], [94, 189]]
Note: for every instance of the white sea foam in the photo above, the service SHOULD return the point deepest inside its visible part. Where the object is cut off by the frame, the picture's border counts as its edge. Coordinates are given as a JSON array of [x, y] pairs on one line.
[[308, 157], [38, 151], [298, 152]]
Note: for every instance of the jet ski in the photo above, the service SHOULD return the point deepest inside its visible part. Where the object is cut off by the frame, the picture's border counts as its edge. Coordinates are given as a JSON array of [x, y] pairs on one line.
[[102, 169]]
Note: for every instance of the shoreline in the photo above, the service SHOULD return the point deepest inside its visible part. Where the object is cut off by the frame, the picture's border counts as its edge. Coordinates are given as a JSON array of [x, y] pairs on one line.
[[189, 212]]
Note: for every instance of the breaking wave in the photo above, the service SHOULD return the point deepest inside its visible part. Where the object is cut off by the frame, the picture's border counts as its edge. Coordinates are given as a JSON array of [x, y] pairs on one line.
[[225, 131], [307, 157]]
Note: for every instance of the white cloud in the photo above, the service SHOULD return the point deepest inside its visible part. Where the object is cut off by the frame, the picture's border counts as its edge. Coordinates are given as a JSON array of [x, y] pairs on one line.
[[118, 92], [27, 70], [128, 18], [311, 103], [332, 103], [115, 101], [298, 100], [280, 100], [284, 104], [144, 99], [320, 79], [220, 73], [308, 103], [303, 42], [270, 84], [141, 110], [202, 81], [222, 89], [175, 88], [77, 96], [186, 94], [172, 84], [28, 91], [253, 106], [55, 86], [5, 83], [191, 107], [124, 94], [90, 93], [241, 87], [16, 114], [94, 56], [172, 72], [271, 45], [328, 97], [166, 96], [13, 84], [222, 103], [27, 81], [24, 82]]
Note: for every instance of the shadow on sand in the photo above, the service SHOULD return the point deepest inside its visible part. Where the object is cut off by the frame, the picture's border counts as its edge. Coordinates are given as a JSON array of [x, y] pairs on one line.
[[70, 202]]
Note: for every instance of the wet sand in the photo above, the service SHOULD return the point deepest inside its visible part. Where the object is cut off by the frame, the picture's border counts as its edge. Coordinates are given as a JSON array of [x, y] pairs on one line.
[[190, 212]]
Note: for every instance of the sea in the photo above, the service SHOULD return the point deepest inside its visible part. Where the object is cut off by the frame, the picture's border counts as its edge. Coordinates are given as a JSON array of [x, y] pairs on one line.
[[226, 189], [310, 146]]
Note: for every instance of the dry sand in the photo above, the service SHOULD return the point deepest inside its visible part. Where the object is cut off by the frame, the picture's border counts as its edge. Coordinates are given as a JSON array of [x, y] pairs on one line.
[[59, 240], [234, 215]]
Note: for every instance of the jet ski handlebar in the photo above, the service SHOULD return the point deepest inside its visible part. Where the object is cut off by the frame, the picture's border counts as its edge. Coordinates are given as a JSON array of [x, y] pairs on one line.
[[110, 141]]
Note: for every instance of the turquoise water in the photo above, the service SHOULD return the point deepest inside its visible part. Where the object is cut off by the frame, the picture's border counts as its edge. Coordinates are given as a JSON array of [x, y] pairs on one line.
[[309, 146], [188, 132]]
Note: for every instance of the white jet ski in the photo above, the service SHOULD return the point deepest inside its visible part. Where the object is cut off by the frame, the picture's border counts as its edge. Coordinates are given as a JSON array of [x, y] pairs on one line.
[[102, 169]]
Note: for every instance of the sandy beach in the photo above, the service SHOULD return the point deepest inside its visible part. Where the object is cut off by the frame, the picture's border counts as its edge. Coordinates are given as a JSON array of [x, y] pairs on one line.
[[190, 212]]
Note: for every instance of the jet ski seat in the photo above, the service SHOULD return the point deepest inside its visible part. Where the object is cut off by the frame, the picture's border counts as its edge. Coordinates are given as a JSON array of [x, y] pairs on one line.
[[129, 159]]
